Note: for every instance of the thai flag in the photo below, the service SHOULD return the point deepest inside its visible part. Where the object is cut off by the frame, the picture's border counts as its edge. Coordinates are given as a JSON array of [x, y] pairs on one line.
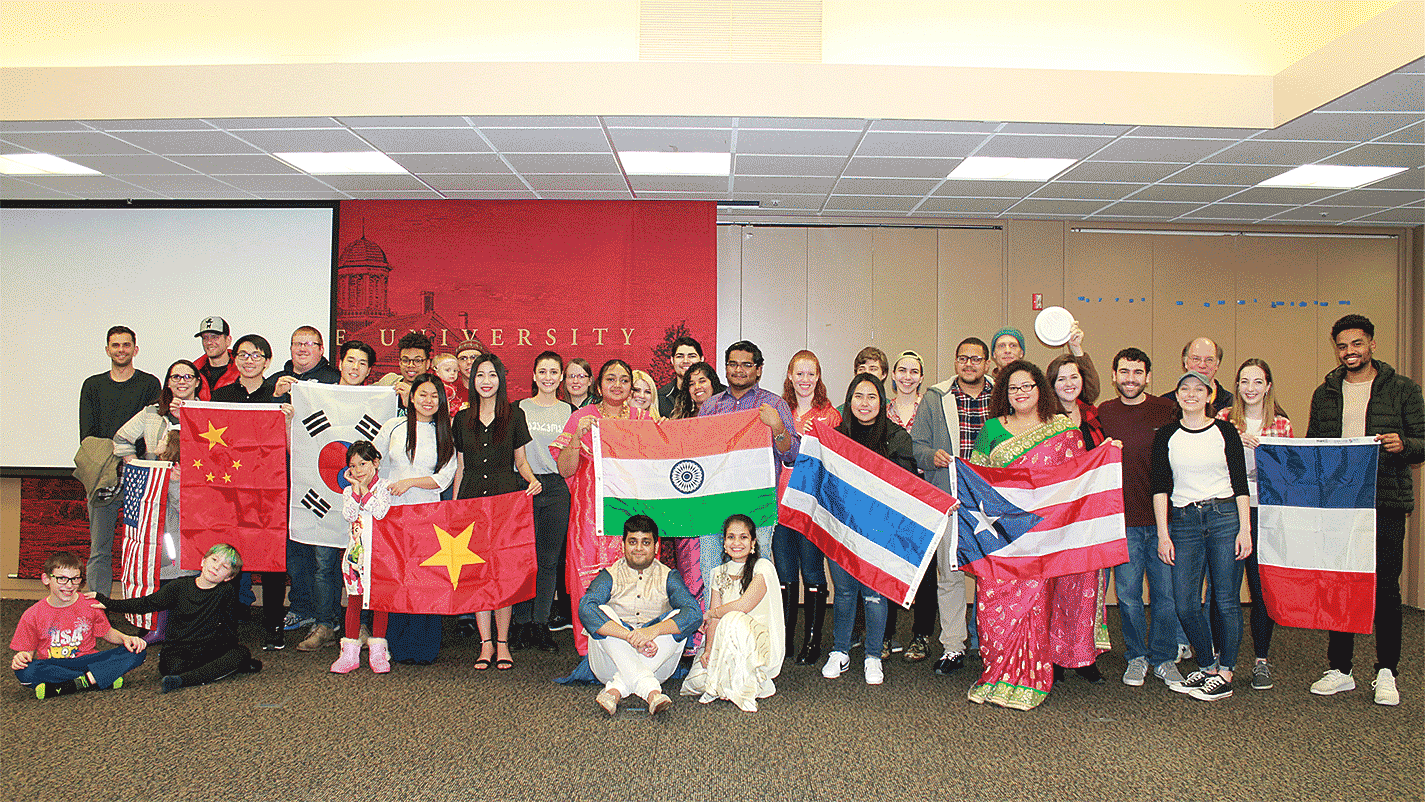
[[145, 488], [1026, 523], [1316, 531], [872, 517]]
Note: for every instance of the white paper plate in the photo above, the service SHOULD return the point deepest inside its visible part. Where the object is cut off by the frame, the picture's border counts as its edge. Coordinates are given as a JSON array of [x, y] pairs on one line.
[[1053, 325]]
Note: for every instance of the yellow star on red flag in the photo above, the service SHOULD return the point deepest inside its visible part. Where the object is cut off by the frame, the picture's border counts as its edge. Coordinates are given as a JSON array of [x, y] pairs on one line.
[[214, 435], [454, 553]]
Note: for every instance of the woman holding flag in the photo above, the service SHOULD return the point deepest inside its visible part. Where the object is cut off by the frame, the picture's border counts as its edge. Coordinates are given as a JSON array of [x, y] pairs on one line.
[[1029, 626]]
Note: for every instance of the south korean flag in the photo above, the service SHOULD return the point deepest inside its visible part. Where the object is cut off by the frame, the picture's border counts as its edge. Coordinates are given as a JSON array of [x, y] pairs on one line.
[[326, 420]]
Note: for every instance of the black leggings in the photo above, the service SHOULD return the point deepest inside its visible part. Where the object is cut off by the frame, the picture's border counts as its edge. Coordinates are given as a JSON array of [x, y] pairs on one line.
[[201, 664]]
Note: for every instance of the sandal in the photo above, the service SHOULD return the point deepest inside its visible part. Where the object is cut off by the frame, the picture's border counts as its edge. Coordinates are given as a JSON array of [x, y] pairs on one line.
[[483, 663], [504, 663]]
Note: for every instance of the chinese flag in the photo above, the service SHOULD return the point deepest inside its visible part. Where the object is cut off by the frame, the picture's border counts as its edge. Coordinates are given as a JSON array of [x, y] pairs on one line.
[[454, 556], [233, 489]]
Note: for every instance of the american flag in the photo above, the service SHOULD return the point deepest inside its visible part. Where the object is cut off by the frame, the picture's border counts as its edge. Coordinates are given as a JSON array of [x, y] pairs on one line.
[[145, 487]]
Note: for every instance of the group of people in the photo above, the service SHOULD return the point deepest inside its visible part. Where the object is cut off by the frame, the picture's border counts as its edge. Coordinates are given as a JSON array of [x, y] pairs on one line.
[[725, 605]]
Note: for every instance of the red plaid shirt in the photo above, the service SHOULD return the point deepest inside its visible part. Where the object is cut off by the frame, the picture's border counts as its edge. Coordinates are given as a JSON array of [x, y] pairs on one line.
[[973, 413]]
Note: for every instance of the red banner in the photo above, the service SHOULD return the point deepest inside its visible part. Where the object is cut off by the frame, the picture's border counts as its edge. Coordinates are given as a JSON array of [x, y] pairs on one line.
[[454, 556], [234, 483], [591, 279]]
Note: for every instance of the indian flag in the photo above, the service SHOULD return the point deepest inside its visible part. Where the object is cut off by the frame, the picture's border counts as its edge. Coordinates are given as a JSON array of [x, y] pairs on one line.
[[687, 475]]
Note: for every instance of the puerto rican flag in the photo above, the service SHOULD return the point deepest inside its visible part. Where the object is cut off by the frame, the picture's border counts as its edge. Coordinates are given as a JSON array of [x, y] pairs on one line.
[[1028, 523], [869, 515], [145, 487], [1316, 531]]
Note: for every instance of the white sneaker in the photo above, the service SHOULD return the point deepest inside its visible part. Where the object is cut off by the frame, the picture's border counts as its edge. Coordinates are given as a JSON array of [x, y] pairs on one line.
[[1137, 672], [1386, 692], [836, 665], [1333, 682], [875, 675], [1184, 652]]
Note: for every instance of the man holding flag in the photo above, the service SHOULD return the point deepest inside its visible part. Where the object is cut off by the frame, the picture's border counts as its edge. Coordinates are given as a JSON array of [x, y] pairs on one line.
[[1366, 397]]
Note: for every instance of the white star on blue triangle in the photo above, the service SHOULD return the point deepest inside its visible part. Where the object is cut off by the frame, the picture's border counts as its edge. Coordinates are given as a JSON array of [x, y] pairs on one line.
[[988, 522]]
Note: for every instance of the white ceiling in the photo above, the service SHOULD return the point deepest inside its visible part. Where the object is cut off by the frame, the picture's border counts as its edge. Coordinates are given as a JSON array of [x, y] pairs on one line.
[[793, 167]]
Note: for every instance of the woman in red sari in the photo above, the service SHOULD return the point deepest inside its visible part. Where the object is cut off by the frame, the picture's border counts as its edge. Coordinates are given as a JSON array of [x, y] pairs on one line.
[[1027, 626]]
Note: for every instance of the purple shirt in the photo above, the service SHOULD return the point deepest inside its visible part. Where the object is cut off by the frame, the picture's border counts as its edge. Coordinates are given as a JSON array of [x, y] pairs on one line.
[[725, 402]]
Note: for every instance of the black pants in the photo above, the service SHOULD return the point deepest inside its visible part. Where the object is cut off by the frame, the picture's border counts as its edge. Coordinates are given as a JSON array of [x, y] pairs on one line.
[[551, 529], [1390, 551], [274, 596], [202, 663], [927, 603]]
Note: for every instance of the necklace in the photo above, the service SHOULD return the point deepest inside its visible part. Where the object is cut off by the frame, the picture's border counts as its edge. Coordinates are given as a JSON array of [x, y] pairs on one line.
[[604, 411]]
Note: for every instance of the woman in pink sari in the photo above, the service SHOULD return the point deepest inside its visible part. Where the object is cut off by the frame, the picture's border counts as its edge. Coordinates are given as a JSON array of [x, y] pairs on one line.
[[589, 552], [1028, 626]]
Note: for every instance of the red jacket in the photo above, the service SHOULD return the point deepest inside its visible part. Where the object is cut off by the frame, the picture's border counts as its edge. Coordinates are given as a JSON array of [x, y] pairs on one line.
[[205, 392]]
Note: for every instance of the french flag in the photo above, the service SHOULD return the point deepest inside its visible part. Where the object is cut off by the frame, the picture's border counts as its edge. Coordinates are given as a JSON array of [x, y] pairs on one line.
[[869, 515], [1316, 531], [1027, 523]]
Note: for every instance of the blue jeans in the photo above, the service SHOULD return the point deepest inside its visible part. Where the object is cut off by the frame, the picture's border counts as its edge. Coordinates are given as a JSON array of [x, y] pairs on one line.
[[793, 553], [1204, 542], [844, 610], [106, 665], [1157, 640], [103, 519]]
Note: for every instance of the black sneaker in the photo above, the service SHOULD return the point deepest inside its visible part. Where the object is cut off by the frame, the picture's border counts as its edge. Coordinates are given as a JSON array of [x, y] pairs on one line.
[[275, 642], [558, 621], [949, 663], [1194, 681], [1216, 687]]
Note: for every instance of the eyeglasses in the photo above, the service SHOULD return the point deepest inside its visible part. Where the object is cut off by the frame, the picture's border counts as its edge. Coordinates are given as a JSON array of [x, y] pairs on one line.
[[468, 359], [1021, 388], [182, 377], [308, 343], [248, 356], [66, 580], [969, 360], [418, 360], [743, 365]]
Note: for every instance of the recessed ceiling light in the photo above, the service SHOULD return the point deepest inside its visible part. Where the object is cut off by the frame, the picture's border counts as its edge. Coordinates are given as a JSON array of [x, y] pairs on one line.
[[987, 168], [41, 164], [643, 162], [359, 163], [1330, 176]]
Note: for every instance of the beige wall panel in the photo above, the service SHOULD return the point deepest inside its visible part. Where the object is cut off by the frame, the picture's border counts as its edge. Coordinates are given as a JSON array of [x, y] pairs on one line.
[[839, 306], [1366, 273], [906, 275], [1198, 272], [1114, 272], [729, 291], [971, 290], [1282, 271], [774, 297], [1036, 265]]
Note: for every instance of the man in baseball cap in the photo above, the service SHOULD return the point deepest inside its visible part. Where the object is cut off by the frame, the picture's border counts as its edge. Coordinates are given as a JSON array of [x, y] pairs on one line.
[[215, 367]]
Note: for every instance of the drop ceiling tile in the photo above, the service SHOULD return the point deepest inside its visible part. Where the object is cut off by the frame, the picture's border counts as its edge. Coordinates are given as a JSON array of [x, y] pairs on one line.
[[474, 182], [1238, 211], [802, 123], [792, 185], [652, 121], [263, 184], [403, 122], [426, 140], [688, 140], [568, 182], [1226, 174], [491, 195], [1185, 193], [876, 167], [83, 185], [1067, 208], [1398, 91], [42, 125], [548, 121], [395, 194], [1120, 172], [1380, 198], [320, 140], [181, 184], [714, 185], [1392, 155], [743, 164], [132, 193], [871, 203], [237, 165], [451, 162], [624, 195], [373, 183], [563, 163], [149, 125], [1064, 129], [696, 196], [1282, 196], [70, 144], [254, 123], [879, 143], [132, 165], [797, 143], [1157, 211], [987, 189], [1410, 179], [1292, 154], [1079, 190], [1042, 147], [954, 206], [1321, 214], [1347, 127], [1409, 217], [548, 140], [935, 126], [11, 189], [784, 201], [315, 194], [1175, 132], [188, 142], [1133, 149], [1414, 135]]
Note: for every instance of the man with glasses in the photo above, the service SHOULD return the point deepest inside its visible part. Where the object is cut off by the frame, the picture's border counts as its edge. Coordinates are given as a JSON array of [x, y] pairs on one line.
[[107, 401], [1205, 356], [308, 364], [215, 367], [950, 417], [414, 351]]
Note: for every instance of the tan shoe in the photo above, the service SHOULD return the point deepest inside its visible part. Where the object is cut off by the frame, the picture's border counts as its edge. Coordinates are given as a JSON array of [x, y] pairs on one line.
[[658, 701], [608, 699], [320, 637]]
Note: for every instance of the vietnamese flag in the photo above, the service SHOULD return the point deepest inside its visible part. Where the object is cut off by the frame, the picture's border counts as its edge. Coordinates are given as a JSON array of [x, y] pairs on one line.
[[452, 557], [233, 486]]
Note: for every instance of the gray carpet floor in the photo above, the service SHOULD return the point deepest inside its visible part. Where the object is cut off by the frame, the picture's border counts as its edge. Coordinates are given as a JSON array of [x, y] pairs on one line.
[[448, 732]]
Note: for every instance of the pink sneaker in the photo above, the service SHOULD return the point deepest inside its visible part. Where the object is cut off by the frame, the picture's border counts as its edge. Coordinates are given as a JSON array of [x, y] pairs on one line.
[[350, 656], [380, 655]]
